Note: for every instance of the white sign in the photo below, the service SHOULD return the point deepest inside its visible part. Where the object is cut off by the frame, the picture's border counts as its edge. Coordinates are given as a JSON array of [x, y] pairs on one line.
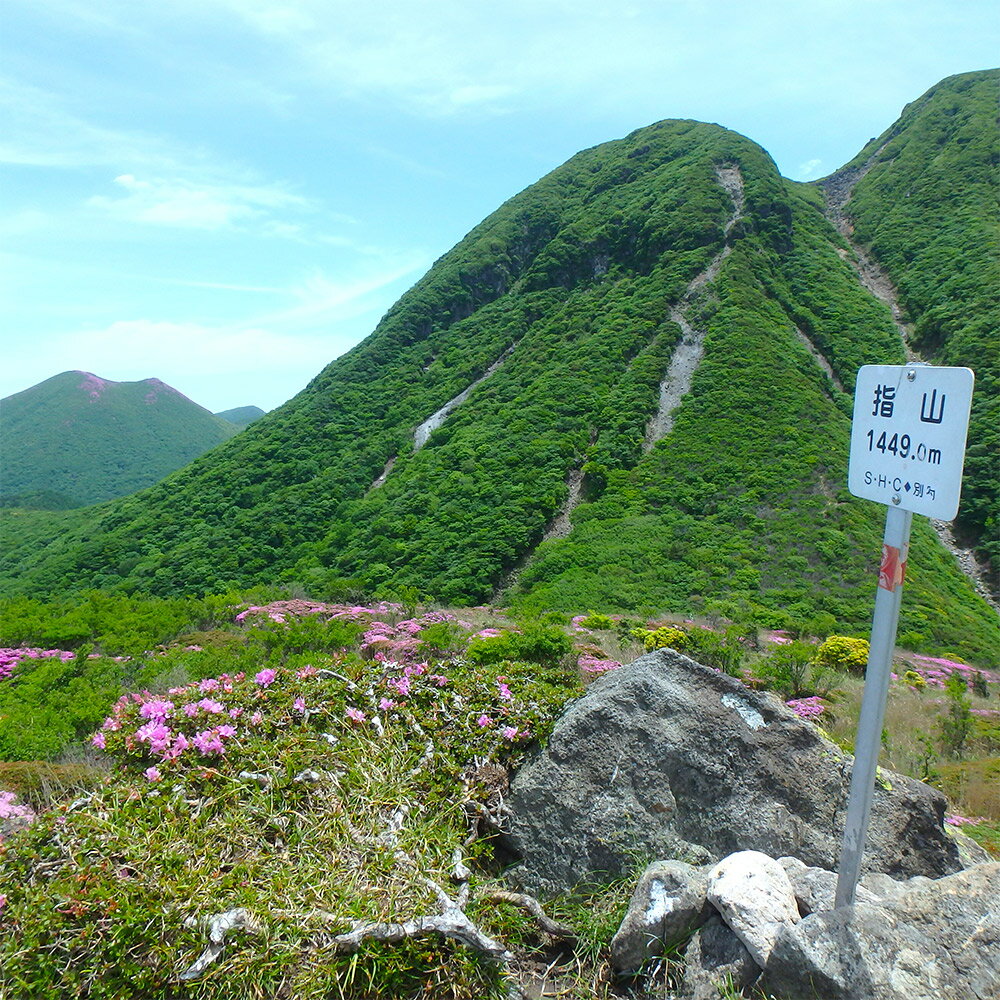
[[908, 437]]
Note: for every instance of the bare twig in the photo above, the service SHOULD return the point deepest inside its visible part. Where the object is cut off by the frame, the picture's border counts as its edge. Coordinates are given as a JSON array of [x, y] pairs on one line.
[[219, 925], [531, 906]]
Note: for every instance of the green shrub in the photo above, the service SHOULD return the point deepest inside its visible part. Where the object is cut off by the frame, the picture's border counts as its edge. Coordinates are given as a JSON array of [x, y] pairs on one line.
[[725, 652], [665, 637], [841, 652], [440, 639], [955, 727], [535, 643], [598, 621], [787, 670]]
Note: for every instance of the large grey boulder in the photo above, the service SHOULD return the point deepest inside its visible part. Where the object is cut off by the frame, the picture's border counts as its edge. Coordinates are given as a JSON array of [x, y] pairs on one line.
[[925, 940], [666, 758]]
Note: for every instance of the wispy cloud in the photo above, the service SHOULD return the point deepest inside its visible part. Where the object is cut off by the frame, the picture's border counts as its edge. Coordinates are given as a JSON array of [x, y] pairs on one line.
[[809, 170], [301, 334], [40, 130], [188, 204]]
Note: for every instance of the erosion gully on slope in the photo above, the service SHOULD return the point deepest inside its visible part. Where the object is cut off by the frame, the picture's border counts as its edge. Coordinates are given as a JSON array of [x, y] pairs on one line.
[[676, 382], [838, 188], [424, 429], [688, 353]]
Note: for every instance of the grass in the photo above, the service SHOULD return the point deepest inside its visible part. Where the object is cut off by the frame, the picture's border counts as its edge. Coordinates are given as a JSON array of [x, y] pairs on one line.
[[340, 778]]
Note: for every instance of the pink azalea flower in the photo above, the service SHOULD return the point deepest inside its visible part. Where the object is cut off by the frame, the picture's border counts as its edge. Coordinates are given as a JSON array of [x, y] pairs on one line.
[[208, 684], [155, 733], [265, 677], [504, 690], [256, 719], [355, 714], [226, 730], [208, 741], [153, 773], [299, 704], [386, 703], [235, 713], [483, 721], [156, 709], [211, 706], [509, 732], [98, 740], [401, 684], [190, 710]]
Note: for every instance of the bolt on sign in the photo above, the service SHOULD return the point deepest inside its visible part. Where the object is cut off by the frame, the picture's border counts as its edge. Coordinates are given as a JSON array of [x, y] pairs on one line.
[[908, 436], [907, 452]]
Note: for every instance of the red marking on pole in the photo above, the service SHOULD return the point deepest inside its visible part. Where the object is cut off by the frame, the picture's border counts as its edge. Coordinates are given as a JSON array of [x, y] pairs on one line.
[[892, 572]]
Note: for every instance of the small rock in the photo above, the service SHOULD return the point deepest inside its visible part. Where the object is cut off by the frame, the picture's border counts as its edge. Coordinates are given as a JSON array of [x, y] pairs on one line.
[[667, 904], [816, 889], [928, 939], [755, 898], [716, 956]]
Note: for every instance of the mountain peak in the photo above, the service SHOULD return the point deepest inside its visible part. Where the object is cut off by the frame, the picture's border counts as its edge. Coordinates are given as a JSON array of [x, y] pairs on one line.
[[78, 438]]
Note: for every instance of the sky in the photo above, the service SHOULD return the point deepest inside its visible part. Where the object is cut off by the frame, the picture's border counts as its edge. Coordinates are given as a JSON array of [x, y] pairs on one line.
[[228, 194]]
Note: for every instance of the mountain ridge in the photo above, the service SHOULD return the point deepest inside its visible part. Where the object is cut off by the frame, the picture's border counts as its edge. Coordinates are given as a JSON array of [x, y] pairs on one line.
[[571, 297]]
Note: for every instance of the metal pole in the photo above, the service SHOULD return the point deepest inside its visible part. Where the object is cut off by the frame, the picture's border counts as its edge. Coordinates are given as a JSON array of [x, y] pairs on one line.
[[895, 544]]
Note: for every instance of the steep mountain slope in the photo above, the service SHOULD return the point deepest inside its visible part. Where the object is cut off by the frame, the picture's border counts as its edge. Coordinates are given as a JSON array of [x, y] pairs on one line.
[[923, 199], [663, 329], [77, 439]]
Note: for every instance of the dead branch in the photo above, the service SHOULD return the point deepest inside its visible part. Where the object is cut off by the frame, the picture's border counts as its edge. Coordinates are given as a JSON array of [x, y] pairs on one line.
[[219, 925], [531, 906]]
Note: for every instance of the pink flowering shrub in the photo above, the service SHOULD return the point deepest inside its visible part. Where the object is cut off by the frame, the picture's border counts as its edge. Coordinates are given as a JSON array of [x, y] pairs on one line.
[[935, 670], [11, 657], [807, 708], [957, 820], [10, 809], [591, 664]]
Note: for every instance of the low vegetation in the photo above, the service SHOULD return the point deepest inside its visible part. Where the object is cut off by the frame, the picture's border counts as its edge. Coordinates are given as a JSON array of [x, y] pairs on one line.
[[295, 785]]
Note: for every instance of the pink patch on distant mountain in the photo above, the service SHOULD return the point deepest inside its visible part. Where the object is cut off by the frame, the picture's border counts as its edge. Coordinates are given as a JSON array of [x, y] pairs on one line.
[[93, 385]]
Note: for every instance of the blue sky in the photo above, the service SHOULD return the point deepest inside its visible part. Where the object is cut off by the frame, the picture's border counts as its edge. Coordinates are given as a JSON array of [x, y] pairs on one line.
[[228, 194]]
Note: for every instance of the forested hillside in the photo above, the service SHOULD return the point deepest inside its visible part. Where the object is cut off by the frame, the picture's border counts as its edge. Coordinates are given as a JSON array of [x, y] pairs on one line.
[[927, 205], [628, 388], [77, 439]]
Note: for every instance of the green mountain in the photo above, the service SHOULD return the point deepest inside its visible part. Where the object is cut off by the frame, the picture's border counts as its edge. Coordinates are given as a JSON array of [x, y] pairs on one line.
[[926, 203], [77, 439], [628, 388], [242, 416]]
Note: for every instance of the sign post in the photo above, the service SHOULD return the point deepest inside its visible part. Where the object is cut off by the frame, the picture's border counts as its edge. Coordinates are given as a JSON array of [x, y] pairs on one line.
[[907, 451]]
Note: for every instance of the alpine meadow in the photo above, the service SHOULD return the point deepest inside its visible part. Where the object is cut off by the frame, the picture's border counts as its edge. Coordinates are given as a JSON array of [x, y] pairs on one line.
[[265, 724]]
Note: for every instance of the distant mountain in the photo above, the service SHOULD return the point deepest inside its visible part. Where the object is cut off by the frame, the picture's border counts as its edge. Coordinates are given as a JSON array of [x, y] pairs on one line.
[[77, 439], [629, 388], [242, 416]]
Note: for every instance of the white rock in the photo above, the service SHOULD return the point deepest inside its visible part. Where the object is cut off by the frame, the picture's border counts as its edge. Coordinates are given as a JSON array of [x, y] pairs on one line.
[[755, 898]]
